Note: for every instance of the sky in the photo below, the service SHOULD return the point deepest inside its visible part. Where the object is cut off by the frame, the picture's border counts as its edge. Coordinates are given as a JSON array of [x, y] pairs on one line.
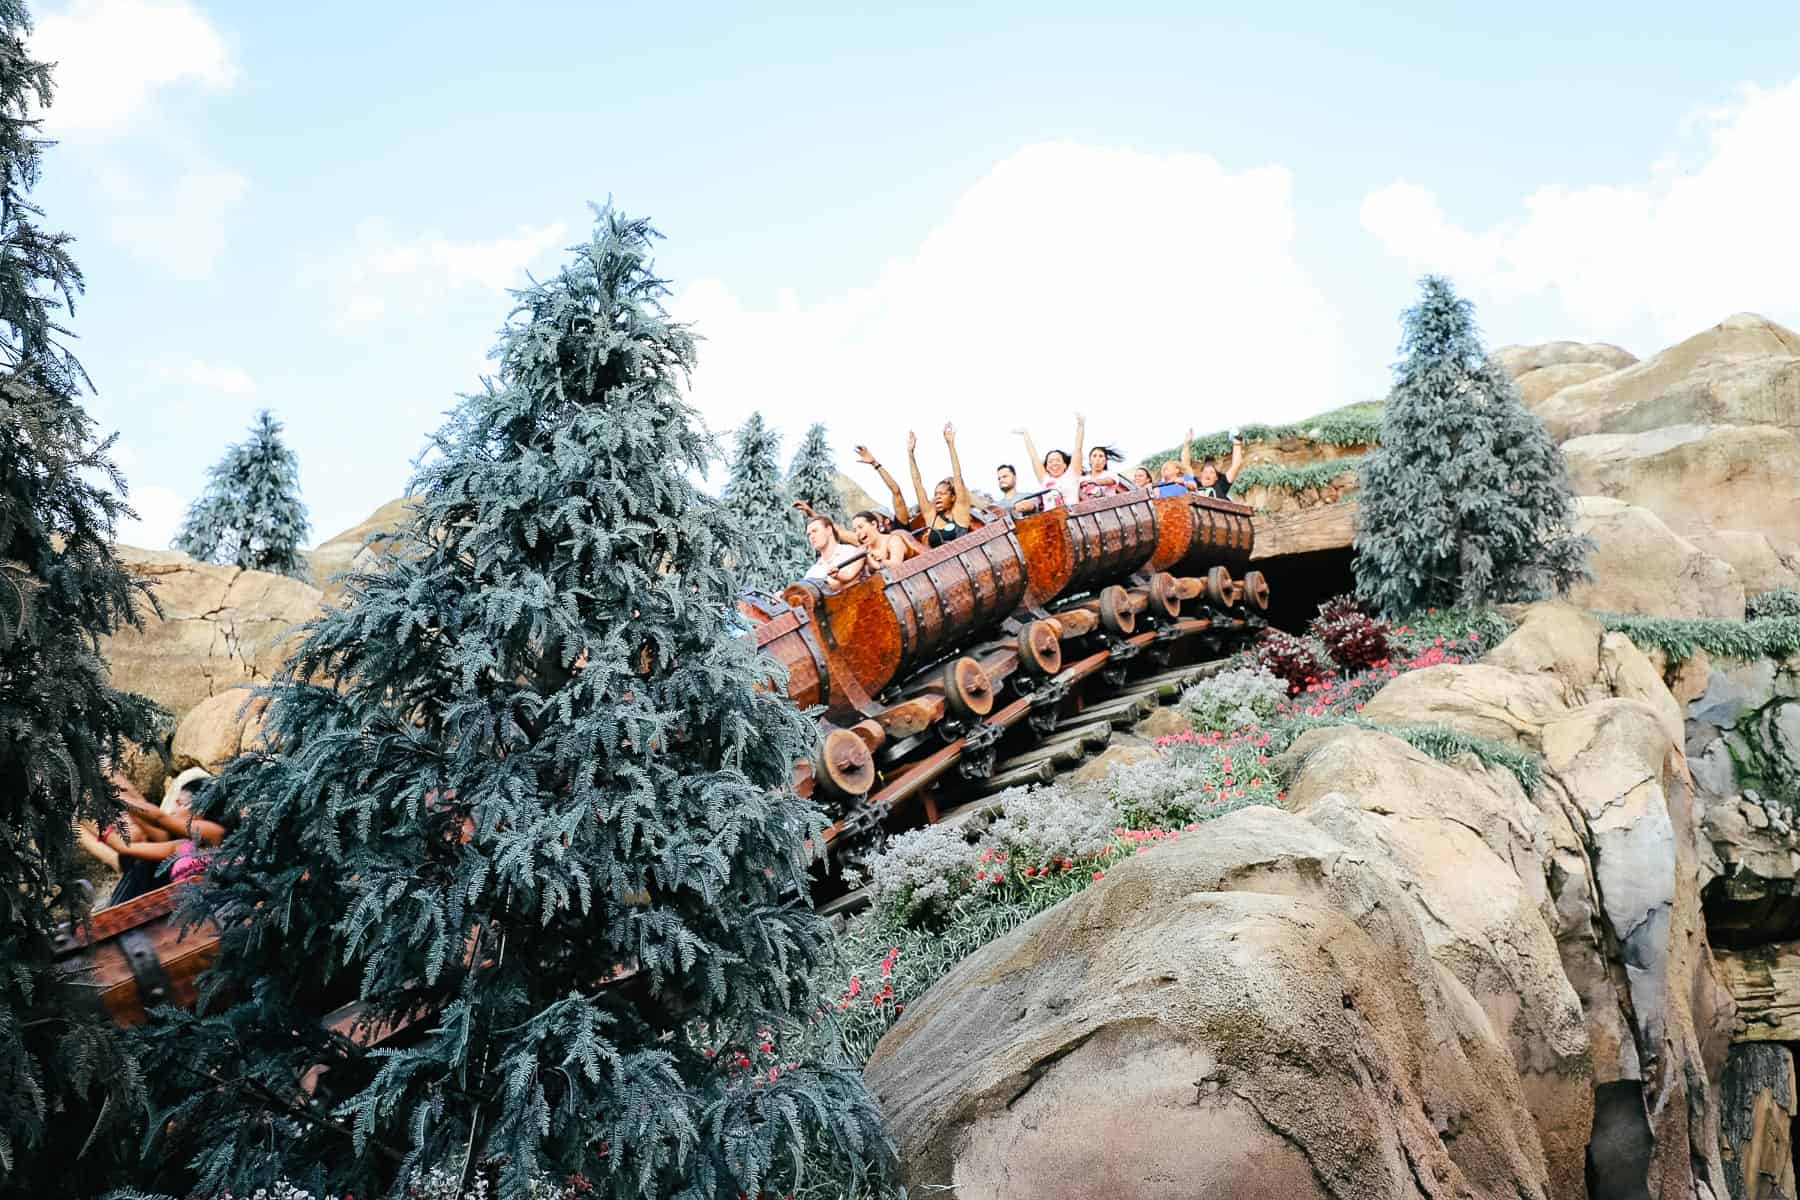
[[888, 217]]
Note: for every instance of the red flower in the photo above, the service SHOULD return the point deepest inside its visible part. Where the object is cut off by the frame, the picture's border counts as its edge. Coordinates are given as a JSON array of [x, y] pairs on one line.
[[1099, 875]]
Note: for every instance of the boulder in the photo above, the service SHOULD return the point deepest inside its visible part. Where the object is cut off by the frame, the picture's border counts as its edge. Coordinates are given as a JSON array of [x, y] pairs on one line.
[[220, 627], [1254, 1014], [1699, 478], [1475, 698], [1520, 361], [1641, 567], [1759, 565], [1478, 854], [1238, 1013], [1539, 385], [353, 548], [1556, 641], [1743, 371], [218, 729], [1625, 785], [147, 767]]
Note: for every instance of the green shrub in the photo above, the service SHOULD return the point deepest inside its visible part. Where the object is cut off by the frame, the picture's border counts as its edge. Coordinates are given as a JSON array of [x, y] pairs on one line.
[[1352, 425], [1781, 602], [1292, 479], [1233, 699], [1679, 637]]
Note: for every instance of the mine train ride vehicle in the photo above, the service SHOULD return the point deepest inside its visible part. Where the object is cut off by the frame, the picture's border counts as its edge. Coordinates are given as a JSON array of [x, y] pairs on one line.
[[924, 673]]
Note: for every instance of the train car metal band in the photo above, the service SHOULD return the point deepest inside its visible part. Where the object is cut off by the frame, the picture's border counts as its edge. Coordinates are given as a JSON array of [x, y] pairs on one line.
[[1113, 536], [958, 589], [1196, 533]]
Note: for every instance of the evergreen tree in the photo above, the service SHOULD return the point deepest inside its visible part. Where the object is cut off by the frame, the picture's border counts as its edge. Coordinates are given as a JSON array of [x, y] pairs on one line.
[[812, 479], [1466, 500], [250, 514], [812, 476], [775, 551], [64, 1075], [545, 760]]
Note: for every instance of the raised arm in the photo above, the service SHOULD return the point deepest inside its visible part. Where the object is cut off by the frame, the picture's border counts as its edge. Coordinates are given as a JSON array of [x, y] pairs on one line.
[[844, 533], [154, 851], [198, 829], [1187, 456], [1237, 458], [89, 836], [926, 507], [962, 510], [1079, 466], [1037, 464], [900, 511]]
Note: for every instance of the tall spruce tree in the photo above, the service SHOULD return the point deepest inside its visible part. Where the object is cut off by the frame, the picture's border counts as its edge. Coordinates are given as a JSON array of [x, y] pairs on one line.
[[543, 819], [1466, 501], [812, 476], [250, 514], [66, 1081], [775, 552]]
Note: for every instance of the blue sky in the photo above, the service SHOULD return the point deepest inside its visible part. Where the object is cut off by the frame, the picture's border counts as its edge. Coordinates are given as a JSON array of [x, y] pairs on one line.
[[1161, 215]]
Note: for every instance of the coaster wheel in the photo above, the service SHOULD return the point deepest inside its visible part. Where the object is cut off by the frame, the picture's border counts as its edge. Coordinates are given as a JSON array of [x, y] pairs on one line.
[[1116, 615], [844, 765], [1040, 650], [967, 689], [1165, 595], [1256, 590], [1221, 592]]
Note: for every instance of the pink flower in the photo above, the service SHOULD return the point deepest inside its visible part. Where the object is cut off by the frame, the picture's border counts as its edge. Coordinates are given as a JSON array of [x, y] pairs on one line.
[[1098, 875]]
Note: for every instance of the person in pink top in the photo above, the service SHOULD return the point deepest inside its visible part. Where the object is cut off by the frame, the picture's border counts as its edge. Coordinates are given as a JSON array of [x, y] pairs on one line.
[[183, 852]]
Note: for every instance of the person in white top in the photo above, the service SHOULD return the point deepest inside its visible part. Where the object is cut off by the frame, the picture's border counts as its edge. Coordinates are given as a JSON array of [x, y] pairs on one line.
[[840, 563], [1054, 469]]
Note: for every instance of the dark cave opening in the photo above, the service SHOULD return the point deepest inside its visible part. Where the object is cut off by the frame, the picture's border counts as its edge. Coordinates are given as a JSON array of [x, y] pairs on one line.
[[1299, 583]]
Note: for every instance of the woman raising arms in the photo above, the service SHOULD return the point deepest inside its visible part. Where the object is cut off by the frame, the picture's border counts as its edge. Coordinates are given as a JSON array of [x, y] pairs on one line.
[[901, 514], [1053, 469], [947, 510]]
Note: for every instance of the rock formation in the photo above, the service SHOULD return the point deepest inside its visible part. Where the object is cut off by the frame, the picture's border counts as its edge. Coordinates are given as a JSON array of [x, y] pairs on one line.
[[1418, 981], [220, 627], [1705, 434]]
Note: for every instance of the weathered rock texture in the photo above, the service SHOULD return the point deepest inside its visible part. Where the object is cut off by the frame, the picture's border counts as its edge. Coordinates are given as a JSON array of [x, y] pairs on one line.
[[220, 627], [1743, 371], [1705, 434], [1543, 370], [218, 729], [1699, 478], [1641, 566], [1305, 530], [1758, 1094], [1421, 981], [353, 548]]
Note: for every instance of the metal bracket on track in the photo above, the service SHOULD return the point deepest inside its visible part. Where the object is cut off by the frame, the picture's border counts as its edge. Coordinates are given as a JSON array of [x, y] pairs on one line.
[[1045, 702], [977, 761]]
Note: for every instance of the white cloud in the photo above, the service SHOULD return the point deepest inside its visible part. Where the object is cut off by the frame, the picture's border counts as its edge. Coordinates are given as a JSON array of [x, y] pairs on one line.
[[1148, 291], [159, 512], [178, 225], [1704, 233], [220, 378], [384, 273], [112, 56]]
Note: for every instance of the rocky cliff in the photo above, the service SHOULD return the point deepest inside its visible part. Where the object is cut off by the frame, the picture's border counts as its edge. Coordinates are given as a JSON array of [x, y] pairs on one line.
[[1418, 979]]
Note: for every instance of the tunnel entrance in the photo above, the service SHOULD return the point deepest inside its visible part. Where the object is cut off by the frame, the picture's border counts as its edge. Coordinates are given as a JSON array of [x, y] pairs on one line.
[[1299, 583]]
